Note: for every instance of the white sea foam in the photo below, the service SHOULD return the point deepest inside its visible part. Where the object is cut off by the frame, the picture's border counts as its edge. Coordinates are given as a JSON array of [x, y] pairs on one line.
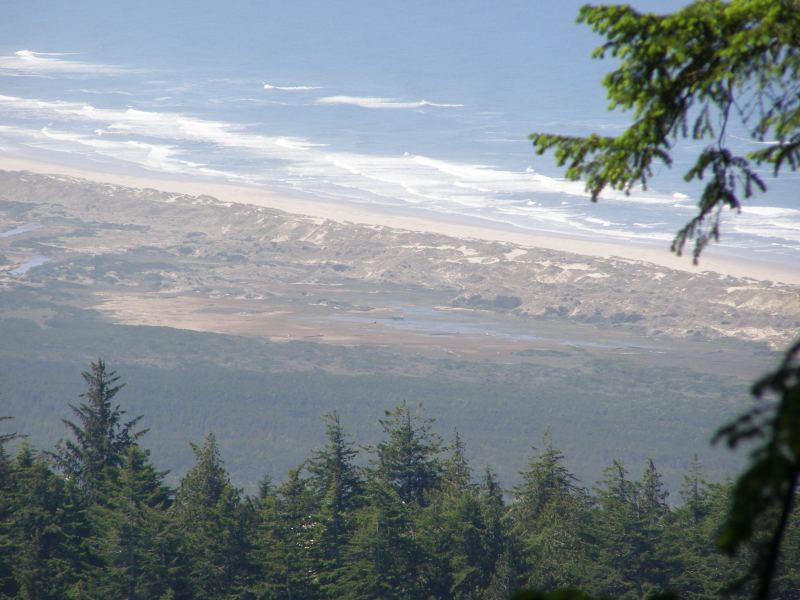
[[292, 88], [171, 142], [155, 157], [419, 177], [648, 225], [27, 62], [770, 211], [601, 222], [391, 103], [105, 92]]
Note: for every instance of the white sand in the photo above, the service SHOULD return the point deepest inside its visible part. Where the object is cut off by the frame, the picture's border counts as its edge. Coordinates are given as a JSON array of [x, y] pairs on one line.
[[713, 259]]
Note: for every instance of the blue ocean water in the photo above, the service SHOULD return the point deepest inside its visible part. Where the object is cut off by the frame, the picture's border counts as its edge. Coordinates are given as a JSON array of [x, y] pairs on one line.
[[419, 105]]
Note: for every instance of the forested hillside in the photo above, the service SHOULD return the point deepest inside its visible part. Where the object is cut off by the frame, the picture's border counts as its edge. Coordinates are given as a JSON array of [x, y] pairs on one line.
[[405, 518]]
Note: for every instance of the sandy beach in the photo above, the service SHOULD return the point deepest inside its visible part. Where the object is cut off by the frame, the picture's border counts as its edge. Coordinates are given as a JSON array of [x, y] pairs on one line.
[[713, 259]]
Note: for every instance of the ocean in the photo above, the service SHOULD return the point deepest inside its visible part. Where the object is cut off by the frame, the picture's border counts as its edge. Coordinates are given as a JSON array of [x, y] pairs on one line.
[[424, 106]]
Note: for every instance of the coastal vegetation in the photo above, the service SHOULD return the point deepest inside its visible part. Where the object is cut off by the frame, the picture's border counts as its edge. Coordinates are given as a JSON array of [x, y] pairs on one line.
[[407, 517]]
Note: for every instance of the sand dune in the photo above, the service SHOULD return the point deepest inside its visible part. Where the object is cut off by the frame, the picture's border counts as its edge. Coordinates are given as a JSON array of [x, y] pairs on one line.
[[714, 259]]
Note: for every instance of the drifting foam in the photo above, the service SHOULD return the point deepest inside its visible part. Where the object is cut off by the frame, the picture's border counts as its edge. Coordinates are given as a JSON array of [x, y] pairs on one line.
[[292, 88], [770, 211], [390, 103], [155, 157], [105, 92], [27, 62]]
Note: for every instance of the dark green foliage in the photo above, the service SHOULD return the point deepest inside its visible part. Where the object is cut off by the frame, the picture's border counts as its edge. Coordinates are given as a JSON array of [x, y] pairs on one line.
[[6, 547], [335, 479], [100, 436], [616, 534], [210, 517], [548, 519], [337, 486], [334, 530], [766, 493], [284, 547], [407, 460], [495, 539], [135, 540], [47, 533], [384, 557]]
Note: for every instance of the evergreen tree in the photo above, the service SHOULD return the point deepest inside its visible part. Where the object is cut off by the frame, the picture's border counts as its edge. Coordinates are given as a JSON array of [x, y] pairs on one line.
[[383, 555], [548, 519], [699, 571], [337, 486], [456, 474], [209, 513], [694, 493], [408, 459], [652, 511], [495, 535], [48, 530], [699, 73], [467, 557], [452, 532], [100, 435], [505, 580], [333, 471], [133, 537], [616, 535], [725, 576], [284, 548]]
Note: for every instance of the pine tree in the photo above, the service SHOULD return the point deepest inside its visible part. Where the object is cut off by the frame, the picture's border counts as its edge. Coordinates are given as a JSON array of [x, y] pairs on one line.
[[451, 531], [615, 530], [337, 486], [548, 520], [652, 511], [100, 435], [132, 532], [284, 547], [495, 535], [467, 560], [48, 530], [695, 574], [209, 513], [705, 571], [456, 474], [383, 555], [408, 459]]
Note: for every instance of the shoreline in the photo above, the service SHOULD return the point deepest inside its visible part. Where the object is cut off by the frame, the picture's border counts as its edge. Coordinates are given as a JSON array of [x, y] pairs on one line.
[[714, 259]]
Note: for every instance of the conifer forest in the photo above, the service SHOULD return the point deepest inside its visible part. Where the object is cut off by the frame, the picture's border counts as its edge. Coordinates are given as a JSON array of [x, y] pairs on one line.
[[406, 518]]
